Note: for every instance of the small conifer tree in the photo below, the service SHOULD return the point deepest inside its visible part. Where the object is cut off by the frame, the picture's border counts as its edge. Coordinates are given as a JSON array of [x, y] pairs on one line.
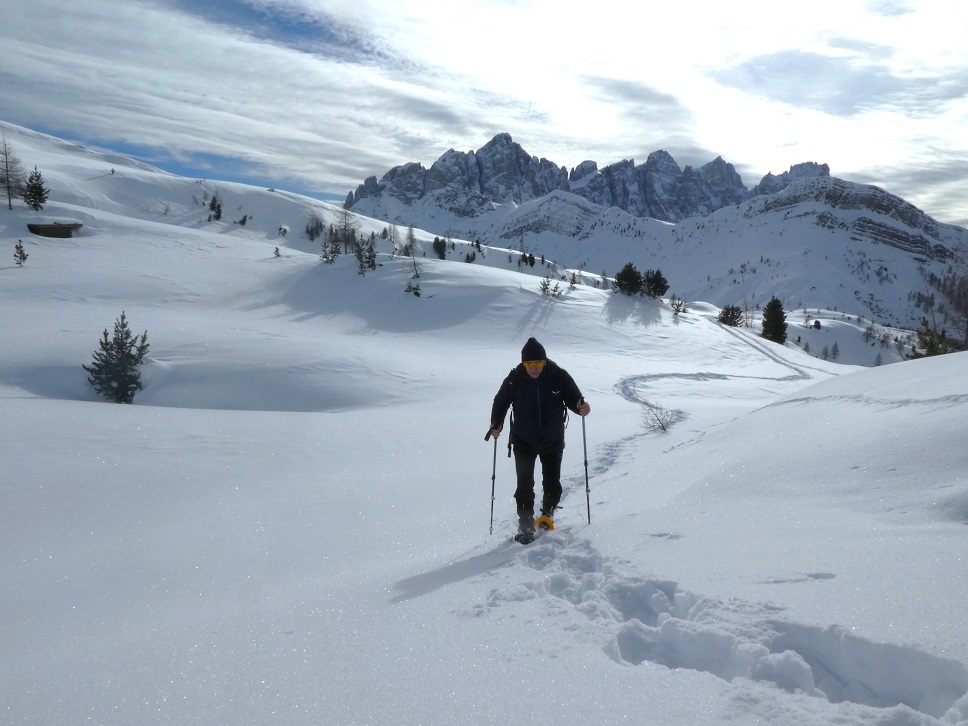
[[731, 315], [331, 247], [359, 249], [114, 372], [19, 254], [629, 280], [315, 226], [440, 248], [369, 256], [654, 283], [35, 193], [215, 206], [774, 321]]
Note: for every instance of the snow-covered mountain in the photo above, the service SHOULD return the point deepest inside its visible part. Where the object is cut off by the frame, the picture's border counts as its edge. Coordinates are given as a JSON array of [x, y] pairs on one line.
[[810, 239], [291, 523], [773, 183], [502, 172]]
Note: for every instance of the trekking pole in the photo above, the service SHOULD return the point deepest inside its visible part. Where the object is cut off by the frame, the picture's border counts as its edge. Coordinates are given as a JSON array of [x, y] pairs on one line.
[[493, 476], [584, 444]]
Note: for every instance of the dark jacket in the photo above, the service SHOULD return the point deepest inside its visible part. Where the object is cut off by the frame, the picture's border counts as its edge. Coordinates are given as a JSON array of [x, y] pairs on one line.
[[538, 416]]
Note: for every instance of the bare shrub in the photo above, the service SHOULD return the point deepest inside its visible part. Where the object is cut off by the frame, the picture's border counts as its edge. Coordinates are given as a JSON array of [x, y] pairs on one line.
[[656, 419]]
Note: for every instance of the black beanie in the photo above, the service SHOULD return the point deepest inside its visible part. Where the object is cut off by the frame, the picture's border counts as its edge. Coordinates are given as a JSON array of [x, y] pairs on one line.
[[533, 350]]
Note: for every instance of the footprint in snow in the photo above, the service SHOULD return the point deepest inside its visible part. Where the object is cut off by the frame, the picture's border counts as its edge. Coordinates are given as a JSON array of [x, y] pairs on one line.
[[653, 621]]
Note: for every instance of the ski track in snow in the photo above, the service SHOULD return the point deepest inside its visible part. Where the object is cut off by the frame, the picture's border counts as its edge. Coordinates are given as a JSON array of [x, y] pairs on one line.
[[647, 621], [629, 388]]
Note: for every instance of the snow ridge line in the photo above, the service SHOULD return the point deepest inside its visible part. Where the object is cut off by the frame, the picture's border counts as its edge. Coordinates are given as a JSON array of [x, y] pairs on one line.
[[653, 621], [933, 404]]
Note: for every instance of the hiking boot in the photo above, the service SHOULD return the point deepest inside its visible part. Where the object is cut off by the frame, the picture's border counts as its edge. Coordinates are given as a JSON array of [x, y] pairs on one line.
[[525, 530]]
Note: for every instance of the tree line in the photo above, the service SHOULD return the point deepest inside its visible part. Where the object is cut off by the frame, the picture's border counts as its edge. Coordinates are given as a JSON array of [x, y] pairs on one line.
[[16, 184]]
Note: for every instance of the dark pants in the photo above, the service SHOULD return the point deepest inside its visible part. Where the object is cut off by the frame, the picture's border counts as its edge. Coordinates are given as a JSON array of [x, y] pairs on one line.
[[550, 483]]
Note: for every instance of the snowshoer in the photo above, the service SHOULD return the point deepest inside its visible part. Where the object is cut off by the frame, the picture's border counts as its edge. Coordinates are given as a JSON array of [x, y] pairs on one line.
[[539, 392]]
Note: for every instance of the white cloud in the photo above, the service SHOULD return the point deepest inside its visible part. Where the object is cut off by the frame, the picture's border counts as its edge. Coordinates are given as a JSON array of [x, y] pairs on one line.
[[322, 94]]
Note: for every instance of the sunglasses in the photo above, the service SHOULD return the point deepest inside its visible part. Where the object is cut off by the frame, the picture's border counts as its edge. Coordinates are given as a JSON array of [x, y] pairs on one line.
[[532, 364]]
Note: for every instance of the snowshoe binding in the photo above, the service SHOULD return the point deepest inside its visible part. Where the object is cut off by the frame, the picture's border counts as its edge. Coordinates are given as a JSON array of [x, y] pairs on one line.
[[544, 523], [527, 535]]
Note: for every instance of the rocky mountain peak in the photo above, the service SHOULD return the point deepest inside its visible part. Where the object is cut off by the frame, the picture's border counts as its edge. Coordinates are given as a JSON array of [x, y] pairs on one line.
[[502, 172], [771, 184]]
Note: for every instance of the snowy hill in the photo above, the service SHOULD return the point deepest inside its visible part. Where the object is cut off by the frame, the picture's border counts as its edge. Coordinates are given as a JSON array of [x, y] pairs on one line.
[[290, 523], [812, 240]]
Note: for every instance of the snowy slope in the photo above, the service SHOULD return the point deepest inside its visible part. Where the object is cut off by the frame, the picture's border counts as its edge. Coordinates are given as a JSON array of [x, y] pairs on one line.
[[290, 524], [812, 240]]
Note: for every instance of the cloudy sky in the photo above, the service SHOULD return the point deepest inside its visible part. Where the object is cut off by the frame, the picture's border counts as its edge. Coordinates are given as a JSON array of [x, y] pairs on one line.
[[316, 95]]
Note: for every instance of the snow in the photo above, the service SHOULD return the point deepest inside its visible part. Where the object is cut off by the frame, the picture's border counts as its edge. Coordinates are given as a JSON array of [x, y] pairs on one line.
[[290, 523]]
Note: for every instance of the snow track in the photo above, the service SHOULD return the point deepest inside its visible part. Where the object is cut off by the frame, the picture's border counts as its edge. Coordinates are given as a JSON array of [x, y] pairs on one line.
[[643, 621]]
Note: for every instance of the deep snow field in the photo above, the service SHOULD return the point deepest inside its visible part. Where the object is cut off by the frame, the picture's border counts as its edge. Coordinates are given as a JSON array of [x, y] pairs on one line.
[[290, 525]]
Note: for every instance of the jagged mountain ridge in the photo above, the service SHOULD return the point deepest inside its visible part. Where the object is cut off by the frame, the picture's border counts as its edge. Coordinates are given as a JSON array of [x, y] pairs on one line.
[[803, 235], [502, 172]]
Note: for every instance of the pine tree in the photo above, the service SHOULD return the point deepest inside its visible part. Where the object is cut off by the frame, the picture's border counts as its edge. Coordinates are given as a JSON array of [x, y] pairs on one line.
[[932, 342], [19, 254], [35, 193], [114, 373], [215, 206], [331, 247], [440, 248], [774, 321], [731, 315], [654, 283], [369, 257], [955, 290], [629, 280], [315, 226]]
